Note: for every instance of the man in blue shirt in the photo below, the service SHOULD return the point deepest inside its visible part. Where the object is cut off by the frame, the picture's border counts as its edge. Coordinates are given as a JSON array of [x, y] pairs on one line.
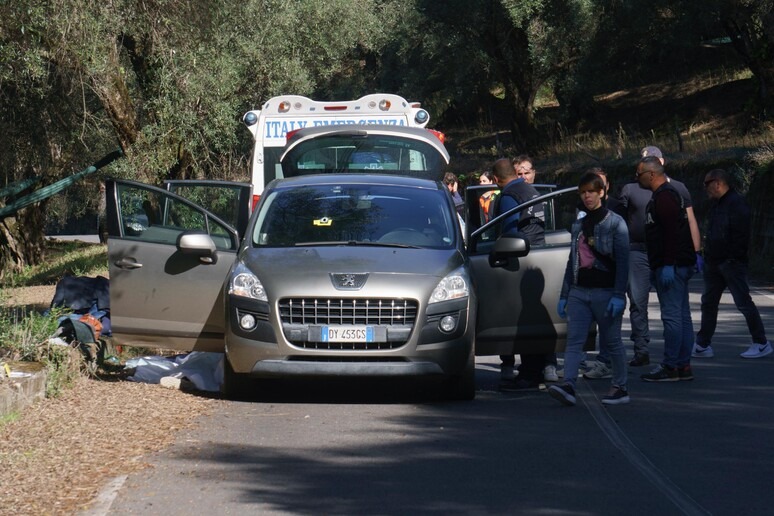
[[514, 192]]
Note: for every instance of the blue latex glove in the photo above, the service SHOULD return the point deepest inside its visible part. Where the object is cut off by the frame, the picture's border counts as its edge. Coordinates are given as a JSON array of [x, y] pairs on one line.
[[615, 306], [699, 263], [561, 308], [666, 276]]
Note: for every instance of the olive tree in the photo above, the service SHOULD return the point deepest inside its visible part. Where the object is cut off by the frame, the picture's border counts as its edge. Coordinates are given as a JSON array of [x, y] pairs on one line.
[[463, 54], [164, 81]]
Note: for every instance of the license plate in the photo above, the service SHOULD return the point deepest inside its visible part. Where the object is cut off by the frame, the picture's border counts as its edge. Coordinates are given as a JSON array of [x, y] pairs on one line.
[[347, 334]]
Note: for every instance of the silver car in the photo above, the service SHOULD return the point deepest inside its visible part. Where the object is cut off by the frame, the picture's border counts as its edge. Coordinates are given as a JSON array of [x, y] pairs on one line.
[[353, 264]]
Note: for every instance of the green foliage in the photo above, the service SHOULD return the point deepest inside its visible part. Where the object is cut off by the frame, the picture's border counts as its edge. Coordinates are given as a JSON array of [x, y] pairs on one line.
[[168, 80], [24, 337], [24, 332]]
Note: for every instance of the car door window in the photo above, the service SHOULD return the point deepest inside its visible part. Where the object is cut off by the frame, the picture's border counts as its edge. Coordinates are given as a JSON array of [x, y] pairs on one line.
[[230, 201], [482, 233], [152, 215]]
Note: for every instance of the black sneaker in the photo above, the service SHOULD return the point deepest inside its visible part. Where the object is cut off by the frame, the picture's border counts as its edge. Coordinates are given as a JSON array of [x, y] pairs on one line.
[[518, 385], [616, 396], [639, 360], [661, 373], [685, 373], [564, 394]]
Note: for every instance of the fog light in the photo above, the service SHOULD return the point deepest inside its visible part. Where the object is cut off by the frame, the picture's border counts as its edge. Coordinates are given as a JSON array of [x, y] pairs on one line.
[[247, 322], [448, 323]]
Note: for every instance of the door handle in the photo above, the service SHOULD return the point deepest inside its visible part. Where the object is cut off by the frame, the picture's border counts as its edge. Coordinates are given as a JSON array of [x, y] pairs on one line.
[[127, 264]]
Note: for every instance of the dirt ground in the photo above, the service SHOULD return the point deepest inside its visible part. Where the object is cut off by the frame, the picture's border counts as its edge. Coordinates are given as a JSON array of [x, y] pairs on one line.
[[59, 453]]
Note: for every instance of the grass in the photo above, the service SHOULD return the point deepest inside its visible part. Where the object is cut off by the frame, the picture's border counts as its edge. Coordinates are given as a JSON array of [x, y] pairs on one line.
[[25, 333], [64, 258], [691, 120]]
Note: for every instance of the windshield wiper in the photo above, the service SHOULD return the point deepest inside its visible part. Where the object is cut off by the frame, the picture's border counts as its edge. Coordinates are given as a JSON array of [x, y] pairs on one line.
[[355, 243]]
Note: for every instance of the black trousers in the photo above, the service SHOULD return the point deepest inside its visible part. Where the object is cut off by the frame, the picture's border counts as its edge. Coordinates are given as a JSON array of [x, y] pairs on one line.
[[531, 367]]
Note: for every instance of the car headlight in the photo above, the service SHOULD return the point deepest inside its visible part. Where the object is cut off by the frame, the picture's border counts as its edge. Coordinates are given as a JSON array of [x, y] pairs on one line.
[[453, 286], [245, 283]]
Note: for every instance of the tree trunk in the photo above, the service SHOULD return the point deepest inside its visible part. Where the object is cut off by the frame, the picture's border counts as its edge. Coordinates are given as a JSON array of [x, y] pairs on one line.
[[22, 240], [756, 48], [114, 95]]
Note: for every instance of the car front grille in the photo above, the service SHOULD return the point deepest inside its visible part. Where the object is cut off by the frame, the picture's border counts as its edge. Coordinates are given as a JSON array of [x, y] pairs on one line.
[[394, 318]]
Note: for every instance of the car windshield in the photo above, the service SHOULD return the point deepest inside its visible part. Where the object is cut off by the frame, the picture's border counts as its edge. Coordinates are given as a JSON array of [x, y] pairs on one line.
[[365, 152], [355, 214]]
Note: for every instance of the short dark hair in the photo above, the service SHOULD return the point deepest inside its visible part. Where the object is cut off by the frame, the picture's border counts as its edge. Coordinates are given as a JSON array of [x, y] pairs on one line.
[[487, 174], [593, 179], [503, 169], [449, 178], [521, 158]]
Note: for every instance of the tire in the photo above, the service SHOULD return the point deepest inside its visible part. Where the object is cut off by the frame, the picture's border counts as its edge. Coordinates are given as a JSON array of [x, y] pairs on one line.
[[462, 387]]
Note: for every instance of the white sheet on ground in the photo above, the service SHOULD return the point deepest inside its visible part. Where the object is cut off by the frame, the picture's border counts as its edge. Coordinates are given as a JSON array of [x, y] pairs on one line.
[[203, 369]]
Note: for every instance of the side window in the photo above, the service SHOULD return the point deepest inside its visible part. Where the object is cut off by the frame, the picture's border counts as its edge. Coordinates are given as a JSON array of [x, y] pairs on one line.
[[221, 201], [153, 216], [484, 234]]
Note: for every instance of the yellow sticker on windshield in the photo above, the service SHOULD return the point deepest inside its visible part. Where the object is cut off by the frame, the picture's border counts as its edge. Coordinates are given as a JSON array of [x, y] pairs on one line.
[[325, 221]]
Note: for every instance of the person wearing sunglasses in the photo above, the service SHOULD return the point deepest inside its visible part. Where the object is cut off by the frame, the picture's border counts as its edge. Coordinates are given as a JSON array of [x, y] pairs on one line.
[[672, 259], [726, 244]]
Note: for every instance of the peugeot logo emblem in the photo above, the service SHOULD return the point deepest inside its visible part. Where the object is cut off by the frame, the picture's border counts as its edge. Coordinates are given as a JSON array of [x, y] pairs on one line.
[[348, 280]]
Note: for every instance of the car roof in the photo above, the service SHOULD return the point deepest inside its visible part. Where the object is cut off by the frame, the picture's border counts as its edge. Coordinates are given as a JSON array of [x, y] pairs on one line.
[[415, 133]]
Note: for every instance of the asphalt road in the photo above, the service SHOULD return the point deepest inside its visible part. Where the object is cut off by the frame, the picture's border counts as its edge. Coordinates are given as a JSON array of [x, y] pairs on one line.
[[701, 447]]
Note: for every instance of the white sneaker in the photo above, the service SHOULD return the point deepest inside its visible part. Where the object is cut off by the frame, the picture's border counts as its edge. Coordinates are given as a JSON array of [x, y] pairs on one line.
[[598, 371], [549, 374], [702, 351], [758, 350]]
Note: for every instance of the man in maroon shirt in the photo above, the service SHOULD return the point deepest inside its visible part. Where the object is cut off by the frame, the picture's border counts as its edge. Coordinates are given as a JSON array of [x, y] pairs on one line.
[[672, 260]]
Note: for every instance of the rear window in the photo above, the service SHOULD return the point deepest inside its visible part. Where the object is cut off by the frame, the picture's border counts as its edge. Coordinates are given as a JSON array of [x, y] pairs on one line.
[[364, 153], [352, 214]]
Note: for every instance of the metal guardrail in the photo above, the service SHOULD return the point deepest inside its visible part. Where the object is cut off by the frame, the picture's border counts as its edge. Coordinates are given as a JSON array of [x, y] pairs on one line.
[[52, 189]]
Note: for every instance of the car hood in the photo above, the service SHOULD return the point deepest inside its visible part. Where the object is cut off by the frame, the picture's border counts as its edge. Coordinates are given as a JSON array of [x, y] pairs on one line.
[[310, 271]]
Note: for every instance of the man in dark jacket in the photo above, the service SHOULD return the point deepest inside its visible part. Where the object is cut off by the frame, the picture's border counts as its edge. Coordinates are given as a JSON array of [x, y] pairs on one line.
[[672, 260], [725, 265], [515, 191]]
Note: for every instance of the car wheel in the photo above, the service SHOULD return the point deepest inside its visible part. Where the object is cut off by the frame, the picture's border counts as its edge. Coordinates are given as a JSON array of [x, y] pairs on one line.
[[236, 386], [462, 387]]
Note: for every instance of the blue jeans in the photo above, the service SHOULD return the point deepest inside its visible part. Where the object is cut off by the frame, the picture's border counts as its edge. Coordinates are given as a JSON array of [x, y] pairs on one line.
[[676, 316], [639, 293], [585, 306], [718, 276]]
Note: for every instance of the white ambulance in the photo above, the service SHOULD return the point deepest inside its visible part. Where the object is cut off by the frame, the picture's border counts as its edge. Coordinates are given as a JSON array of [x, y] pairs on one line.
[[281, 115]]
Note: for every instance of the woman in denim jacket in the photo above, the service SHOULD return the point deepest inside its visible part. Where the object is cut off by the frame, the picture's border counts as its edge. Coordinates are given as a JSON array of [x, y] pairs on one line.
[[593, 290]]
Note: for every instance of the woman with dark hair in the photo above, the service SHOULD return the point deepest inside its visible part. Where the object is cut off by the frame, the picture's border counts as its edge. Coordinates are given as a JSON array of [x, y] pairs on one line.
[[486, 178]]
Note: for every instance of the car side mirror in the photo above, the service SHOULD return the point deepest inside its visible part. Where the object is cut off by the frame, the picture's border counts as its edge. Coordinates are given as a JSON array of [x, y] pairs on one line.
[[508, 247], [198, 244]]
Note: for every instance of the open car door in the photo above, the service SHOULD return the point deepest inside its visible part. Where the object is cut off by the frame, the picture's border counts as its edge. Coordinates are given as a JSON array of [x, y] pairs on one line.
[[168, 260], [518, 295]]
